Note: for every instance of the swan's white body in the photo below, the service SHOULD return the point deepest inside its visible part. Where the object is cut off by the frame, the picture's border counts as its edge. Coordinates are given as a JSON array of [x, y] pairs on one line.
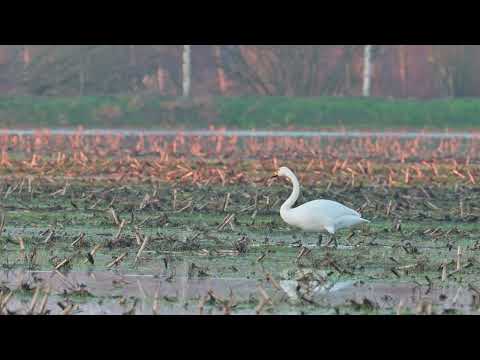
[[317, 215]]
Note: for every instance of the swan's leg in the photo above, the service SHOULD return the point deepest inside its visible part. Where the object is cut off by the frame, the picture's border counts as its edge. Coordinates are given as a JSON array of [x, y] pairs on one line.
[[320, 239], [333, 239], [331, 230]]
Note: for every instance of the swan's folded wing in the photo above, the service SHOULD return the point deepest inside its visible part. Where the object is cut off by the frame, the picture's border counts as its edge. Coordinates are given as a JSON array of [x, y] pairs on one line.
[[332, 209]]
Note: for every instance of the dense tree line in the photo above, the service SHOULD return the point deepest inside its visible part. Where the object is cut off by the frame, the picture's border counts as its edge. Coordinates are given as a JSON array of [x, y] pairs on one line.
[[400, 71]]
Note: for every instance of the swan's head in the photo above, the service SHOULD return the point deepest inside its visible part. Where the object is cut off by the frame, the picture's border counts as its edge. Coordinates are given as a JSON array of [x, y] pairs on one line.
[[283, 172]]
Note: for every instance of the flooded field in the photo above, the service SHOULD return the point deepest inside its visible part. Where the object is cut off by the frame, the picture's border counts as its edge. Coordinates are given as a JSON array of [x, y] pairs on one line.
[[116, 224]]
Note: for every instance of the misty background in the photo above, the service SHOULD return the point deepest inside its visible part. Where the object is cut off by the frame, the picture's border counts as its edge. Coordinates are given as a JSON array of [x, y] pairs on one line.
[[154, 77], [420, 71]]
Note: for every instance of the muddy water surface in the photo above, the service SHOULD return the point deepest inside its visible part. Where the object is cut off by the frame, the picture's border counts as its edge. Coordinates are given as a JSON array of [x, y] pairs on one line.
[[114, 293]]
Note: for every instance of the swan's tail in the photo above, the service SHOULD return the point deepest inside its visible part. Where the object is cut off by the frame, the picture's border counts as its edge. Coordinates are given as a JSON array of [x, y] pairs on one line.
[[347, 221]]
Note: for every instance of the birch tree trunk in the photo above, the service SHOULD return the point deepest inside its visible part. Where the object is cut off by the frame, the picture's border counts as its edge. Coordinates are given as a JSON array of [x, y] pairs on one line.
[[367, 70], [187, 70]]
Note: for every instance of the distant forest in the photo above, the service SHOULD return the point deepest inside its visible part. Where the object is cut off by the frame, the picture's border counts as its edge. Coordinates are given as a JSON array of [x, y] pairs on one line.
[[397, 71]]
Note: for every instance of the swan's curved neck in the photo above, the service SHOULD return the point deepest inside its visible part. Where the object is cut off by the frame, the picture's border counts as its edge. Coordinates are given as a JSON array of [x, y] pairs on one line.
[[287, 205]]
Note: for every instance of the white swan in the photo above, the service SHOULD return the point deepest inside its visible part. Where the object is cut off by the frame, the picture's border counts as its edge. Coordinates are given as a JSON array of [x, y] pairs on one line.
[[317, 215]]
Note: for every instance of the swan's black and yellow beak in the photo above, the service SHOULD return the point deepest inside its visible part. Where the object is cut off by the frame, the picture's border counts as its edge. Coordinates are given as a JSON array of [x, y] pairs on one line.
[[275, 175]]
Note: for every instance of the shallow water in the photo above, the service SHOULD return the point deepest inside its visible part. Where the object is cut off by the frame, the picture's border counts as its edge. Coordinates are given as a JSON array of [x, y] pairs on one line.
[[116, 293], [107, 288]]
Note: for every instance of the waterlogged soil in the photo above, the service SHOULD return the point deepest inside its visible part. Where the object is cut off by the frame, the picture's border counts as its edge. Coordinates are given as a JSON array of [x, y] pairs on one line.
[[143, 249], [105, 293]]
